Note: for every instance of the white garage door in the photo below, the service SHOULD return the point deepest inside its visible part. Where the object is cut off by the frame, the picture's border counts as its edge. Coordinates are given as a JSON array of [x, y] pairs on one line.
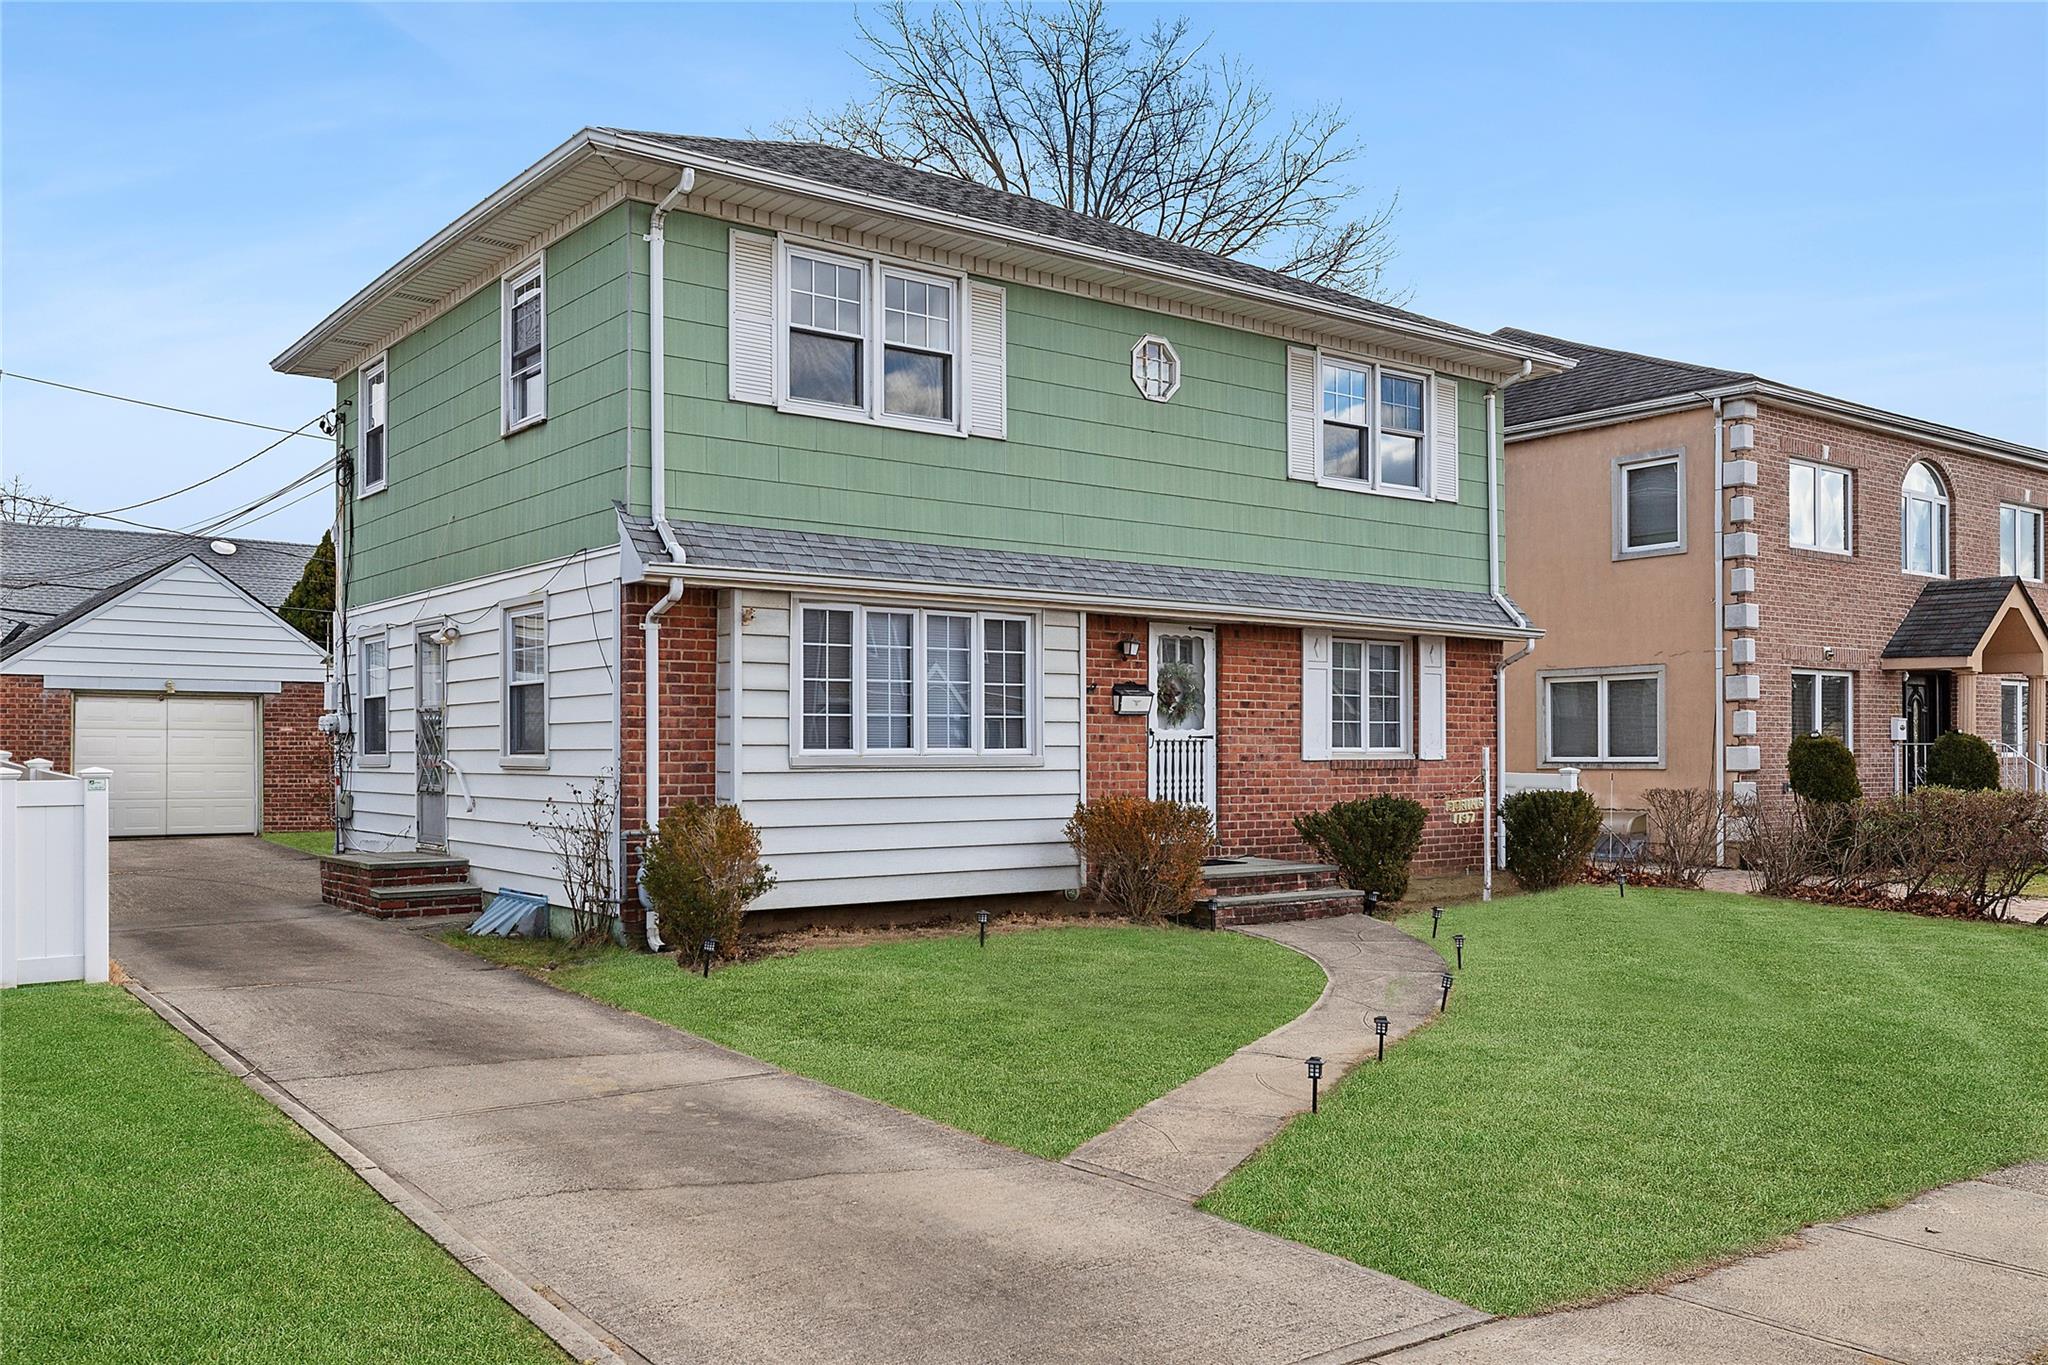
[[182, 765]]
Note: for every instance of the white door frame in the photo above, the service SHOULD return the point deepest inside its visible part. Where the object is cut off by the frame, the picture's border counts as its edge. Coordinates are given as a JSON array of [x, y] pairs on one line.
[[1154, 731]]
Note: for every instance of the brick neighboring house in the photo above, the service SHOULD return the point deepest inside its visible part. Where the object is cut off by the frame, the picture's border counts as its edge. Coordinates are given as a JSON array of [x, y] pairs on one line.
[[1869, 566], [163, 659]]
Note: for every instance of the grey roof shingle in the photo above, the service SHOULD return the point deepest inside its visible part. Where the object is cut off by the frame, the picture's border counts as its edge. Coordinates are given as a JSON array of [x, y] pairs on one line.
[[1602, 379], [51, 575], [1948, 620], [720, 546], [947, 194]]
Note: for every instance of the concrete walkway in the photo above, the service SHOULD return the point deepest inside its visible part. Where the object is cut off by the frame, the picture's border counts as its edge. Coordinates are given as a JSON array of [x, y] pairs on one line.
[[1958, 1276], [1188, 1139], [686, 1202]]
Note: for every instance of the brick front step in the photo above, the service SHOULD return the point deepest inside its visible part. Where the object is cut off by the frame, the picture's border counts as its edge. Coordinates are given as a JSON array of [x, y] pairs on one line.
[[1274, 907], [1255, 876], [399, 885]]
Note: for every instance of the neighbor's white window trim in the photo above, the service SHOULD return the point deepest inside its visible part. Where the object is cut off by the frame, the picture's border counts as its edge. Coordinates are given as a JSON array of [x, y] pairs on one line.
[[1405, 747], [921, 754], [1626, 465], [1603, 677], [875, 269], [1810, 725], [533, 270], [2025, 689], [2021, 511], [508, 612], [366, 758], [380, 364], [1425, 466], [1944, 512], [1820, 471]]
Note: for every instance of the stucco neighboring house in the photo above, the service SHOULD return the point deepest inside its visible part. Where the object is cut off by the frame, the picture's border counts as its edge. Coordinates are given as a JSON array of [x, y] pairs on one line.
[[162, 658], [956, 509], [1722, 562]]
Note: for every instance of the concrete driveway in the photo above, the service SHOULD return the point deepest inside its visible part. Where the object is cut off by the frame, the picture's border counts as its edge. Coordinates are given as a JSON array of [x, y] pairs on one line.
[[694, 1204]]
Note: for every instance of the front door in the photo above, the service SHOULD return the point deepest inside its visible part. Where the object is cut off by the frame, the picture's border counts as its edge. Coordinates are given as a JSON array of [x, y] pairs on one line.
[[1182, 747], [1924, 700], [430, 741]]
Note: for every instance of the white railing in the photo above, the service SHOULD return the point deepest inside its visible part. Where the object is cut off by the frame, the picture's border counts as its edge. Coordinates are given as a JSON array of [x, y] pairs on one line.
[[1180, 769], [2018, 772], [53, 873], [1556, 780], [1909, 766]]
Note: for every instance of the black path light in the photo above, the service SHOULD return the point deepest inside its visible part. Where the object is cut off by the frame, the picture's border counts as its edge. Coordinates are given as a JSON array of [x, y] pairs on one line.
[[1447, 993], [1436, 917], [1379, 1027], [1315, 1084], [981, 918], [1458, 941], [1621, 881], [710, 951]]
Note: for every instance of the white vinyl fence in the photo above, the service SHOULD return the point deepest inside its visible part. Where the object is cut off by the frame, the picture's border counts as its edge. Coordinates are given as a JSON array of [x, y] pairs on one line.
[[53, 873]]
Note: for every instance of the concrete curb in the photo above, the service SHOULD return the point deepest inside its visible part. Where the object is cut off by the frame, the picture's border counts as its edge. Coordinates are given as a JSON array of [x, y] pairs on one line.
[[527, 1301]]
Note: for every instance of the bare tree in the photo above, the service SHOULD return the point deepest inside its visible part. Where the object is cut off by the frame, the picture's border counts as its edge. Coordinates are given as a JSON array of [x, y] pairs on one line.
[[19, 502], [578, 832], [1152, 133]]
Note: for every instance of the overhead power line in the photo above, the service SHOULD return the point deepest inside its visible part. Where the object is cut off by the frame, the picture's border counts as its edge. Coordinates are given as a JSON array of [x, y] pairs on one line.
[[162, 407], [221, 473]]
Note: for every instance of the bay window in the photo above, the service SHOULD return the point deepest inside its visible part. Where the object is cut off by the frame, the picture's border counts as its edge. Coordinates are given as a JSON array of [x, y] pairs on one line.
[[1603, 718], [1373, 426], [920, 682], [1820, 508], [1821, 704], [1368, 696], [2019, 542]]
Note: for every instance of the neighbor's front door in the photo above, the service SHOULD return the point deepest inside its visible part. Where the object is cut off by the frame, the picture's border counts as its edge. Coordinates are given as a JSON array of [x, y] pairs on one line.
[[430, 741], [1182, 744]]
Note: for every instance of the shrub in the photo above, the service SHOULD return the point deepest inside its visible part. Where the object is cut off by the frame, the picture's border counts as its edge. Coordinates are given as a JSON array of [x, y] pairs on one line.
[[1821, 768], [702, 868], [1993, 844], [1907, 837], [1551, 834], [1371, 841], [578, 832], [1963, 761], [1778, 844], [1144, 857], [1686, 821]]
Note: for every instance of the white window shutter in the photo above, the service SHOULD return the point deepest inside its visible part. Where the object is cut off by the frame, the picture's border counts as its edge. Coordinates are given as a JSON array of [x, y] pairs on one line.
[[751, 328], [1430, 720], [988, 384], [1443, 438], [1315, 693], [1303, 456]]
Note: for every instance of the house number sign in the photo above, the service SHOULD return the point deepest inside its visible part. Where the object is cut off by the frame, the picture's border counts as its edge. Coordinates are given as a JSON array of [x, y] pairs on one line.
[[1464, 810]]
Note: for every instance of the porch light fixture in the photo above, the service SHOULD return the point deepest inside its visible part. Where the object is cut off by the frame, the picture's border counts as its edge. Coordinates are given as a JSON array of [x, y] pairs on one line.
[[1446, 980], [1315, 1084], [981, 918], [1379, 1028], [710, 951], [1127, 647], [1436, 917], [1130, 699], [1459, 941]]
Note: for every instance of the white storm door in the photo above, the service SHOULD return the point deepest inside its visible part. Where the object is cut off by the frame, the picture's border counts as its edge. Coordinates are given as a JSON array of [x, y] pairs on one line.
[[1181, 748]]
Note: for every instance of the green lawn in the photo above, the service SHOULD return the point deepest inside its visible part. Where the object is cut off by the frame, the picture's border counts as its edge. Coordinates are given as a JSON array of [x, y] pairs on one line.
[[1039, 1041], [158, 1210], [305, 841], [1622, 1089]]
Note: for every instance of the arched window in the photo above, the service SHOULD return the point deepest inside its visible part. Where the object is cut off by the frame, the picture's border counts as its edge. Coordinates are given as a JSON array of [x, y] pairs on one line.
[[1923, 523]]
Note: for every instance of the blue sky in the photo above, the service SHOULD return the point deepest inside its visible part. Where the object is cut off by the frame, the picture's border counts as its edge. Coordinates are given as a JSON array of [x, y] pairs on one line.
[[1849, 198]]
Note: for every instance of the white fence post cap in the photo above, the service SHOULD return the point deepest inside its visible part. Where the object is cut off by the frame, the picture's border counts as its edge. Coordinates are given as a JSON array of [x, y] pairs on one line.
[[10, 774]]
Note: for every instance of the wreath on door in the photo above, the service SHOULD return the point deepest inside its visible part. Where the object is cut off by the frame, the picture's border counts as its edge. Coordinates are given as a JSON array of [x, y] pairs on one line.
[[1179, 693]]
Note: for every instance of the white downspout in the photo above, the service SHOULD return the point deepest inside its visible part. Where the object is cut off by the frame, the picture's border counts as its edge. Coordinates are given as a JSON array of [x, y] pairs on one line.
[[1720, 645], [657, 504], [1498, 854]]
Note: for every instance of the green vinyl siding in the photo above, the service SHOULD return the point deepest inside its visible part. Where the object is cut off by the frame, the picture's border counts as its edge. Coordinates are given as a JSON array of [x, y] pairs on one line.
[[463, 500], [1090, 467]]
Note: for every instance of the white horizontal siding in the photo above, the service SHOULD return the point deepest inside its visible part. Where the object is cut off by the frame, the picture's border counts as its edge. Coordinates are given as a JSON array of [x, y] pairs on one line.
[[583, 667], [848, 836], [187, 624]]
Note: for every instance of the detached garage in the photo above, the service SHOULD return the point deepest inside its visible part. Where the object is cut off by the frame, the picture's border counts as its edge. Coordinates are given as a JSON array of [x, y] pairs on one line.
[[179, 676]]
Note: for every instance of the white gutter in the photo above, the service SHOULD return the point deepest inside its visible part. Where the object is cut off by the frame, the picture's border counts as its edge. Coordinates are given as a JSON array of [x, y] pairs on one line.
[[1493, 587], [1720, 644]]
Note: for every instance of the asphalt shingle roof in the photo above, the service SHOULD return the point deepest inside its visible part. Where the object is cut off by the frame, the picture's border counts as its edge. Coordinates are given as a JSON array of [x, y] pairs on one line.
[[1602, 379], [51, 575], [1948, 620], [719, 546], [947, 194]]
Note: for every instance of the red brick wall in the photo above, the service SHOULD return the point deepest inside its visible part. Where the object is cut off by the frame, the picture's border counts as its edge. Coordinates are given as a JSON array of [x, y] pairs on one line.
[[689, 716], [35, 723], [1811, 602], [298, 760], [1262, 781]]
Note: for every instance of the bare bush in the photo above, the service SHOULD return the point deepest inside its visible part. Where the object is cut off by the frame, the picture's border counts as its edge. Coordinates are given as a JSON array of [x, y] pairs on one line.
[[577, 831], [1777, 844], [1686, 824], [1996, 842], [1144, 857], [702, 868]]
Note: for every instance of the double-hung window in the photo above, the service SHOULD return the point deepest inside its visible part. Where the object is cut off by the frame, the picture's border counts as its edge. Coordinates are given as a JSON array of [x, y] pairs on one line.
[[374, 690], [1368, 696], [1373, 422], [1603, 718], [526, 684], [2012, 715], [2019, 542], [1820, 508], [525, 345], [1822, 704], [897, 680], [373, 402], [1923, 523], [870, 340], [1649, 505]]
